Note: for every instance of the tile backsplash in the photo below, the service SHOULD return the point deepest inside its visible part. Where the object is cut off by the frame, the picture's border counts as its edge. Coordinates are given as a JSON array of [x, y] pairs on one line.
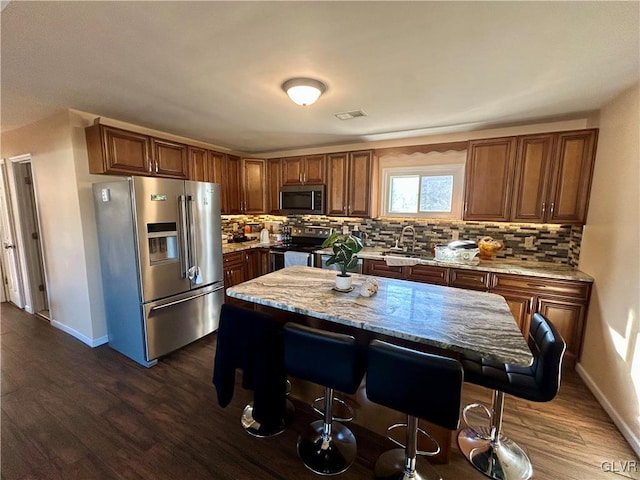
[[548, 243]]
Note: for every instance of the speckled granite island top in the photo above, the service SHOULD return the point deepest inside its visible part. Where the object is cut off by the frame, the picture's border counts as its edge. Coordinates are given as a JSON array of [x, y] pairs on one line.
[[464, 321]]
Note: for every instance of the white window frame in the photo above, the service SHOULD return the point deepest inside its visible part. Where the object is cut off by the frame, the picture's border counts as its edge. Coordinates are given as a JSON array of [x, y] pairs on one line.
[[428, 169]]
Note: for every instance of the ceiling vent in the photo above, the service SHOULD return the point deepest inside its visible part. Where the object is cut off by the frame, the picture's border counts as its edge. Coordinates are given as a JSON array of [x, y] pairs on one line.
[[350, 115]]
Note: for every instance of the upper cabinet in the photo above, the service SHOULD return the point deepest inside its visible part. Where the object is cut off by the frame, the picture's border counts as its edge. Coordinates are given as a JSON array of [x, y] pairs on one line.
[[305, 170], [572, 174], [119, 152], [542, 178], [232, 184], [169, 159], [553, 177], [274, 182], [488, 179], [254, 185], [350, 185]]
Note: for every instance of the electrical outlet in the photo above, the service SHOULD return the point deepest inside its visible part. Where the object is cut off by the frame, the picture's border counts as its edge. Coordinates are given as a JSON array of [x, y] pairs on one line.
[[528, 242], [455, 235]]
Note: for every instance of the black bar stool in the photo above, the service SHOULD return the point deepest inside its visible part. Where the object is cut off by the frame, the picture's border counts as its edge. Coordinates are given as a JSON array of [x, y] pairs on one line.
[[421, 385], [252, 342], [487, 448], [334, 361]]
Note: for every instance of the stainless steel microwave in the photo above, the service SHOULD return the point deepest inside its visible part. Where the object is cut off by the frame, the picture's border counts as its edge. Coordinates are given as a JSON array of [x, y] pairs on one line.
[[303, 199]]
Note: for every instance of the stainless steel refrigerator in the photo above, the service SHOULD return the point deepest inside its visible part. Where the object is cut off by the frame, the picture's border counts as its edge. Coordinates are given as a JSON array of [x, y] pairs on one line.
[[161, 261]]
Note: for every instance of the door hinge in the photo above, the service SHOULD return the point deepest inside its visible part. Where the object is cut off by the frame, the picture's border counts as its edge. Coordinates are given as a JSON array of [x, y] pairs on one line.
[[27, 180], [34, 236], [41, 288]]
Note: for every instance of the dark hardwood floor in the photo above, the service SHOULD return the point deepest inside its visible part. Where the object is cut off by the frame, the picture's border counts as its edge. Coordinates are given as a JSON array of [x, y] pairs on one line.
[[72, 412]]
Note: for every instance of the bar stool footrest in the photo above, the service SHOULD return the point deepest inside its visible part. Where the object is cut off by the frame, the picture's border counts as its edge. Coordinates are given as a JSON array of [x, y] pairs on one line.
[[337, 400], [391, 466], [426, 434]]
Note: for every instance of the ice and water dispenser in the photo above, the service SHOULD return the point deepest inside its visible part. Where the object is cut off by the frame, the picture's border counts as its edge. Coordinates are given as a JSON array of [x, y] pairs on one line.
[[163, 242]]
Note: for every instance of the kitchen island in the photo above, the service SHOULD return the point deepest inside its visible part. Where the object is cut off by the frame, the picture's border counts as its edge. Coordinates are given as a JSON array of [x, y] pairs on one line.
[[459, 321], [426, 317]]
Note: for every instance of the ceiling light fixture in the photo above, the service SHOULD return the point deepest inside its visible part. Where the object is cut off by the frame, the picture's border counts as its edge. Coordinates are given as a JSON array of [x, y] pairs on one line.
[[304, 91]]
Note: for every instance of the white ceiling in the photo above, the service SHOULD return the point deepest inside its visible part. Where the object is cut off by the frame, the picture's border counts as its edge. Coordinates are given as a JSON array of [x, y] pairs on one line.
[[212, 71]]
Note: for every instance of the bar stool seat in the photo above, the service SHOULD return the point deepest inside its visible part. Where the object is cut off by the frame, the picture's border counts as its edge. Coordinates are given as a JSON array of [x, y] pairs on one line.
[[421, 385], [486, 447], [334, 361]]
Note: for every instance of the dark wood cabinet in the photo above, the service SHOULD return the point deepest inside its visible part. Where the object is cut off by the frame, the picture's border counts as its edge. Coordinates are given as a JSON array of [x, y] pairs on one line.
[[169, 159], [254, 186], [236, 270], [532, 178], [563, 302], [274, 182], [427, 274], [198, 164], [303, 170], [351, 178], [553, 177], [232, 182], [489, 179], [117, 152], [572, 174]]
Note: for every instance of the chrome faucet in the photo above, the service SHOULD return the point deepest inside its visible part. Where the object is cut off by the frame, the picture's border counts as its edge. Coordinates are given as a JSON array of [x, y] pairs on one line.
[[405, 230]]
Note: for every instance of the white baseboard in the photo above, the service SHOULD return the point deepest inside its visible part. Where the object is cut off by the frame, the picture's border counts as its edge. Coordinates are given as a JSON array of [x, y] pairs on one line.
[[92, 342], [626, 431]]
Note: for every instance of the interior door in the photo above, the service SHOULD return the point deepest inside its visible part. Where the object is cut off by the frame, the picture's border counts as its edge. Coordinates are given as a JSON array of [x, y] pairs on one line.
[[10, 260]]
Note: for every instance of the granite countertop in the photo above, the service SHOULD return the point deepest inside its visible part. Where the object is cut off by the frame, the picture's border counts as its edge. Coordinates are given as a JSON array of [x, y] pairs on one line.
[[464, 321], [533, 269], [235, 247]]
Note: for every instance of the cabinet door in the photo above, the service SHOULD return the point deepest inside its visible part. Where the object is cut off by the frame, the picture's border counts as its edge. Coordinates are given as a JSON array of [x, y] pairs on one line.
[[217, 163], [532, 176], [125, 152], [488, 179], [253, 185], [573, 170], [360, 185], [198, 164], [232, 182], [314, 169], [274, 181], [469, 279], [252, 260], [337, 170], [568, 318], [265, 261], [292, 168], [381, 269], [427, 274], [520, 306], [169, 159]]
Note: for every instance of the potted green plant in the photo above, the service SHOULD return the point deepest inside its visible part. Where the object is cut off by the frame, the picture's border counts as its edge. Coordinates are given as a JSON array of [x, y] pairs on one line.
[[345, 248]]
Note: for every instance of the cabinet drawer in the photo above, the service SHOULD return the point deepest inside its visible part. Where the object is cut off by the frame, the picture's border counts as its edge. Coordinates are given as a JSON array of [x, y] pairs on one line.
[[427, 274], [470, 279], [381, 269], [233, 257], [537, 285]]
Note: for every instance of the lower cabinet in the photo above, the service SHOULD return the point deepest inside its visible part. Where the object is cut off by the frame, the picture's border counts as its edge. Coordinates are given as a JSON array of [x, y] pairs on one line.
[[563, 302], [244, 265]]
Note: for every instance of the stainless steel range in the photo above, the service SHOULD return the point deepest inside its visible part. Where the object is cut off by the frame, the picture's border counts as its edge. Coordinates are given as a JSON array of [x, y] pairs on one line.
[[298, 250]]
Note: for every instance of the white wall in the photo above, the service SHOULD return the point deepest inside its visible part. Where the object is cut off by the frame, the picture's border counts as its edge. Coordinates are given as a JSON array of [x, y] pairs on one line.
[[610, 252], [56, 182]]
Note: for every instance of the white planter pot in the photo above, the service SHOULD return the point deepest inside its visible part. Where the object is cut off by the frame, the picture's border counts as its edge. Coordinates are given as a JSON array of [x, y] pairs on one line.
[[343, 283]]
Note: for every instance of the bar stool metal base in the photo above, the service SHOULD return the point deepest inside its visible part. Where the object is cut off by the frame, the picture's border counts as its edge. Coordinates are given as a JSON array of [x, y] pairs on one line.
[[327, 457], [391, 465], [501, 459], [254, 428]]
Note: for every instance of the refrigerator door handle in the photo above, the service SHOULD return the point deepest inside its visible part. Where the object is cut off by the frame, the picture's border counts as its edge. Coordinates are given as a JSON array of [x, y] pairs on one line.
[[182, 300], [184, 240]]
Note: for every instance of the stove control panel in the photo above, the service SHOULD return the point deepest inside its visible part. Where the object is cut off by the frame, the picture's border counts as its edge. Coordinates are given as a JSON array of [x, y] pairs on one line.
[[316, 232]]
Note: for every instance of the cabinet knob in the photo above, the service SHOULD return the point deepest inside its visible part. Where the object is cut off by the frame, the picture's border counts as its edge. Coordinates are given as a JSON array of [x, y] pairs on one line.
[[544, 208], [553, 206]]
